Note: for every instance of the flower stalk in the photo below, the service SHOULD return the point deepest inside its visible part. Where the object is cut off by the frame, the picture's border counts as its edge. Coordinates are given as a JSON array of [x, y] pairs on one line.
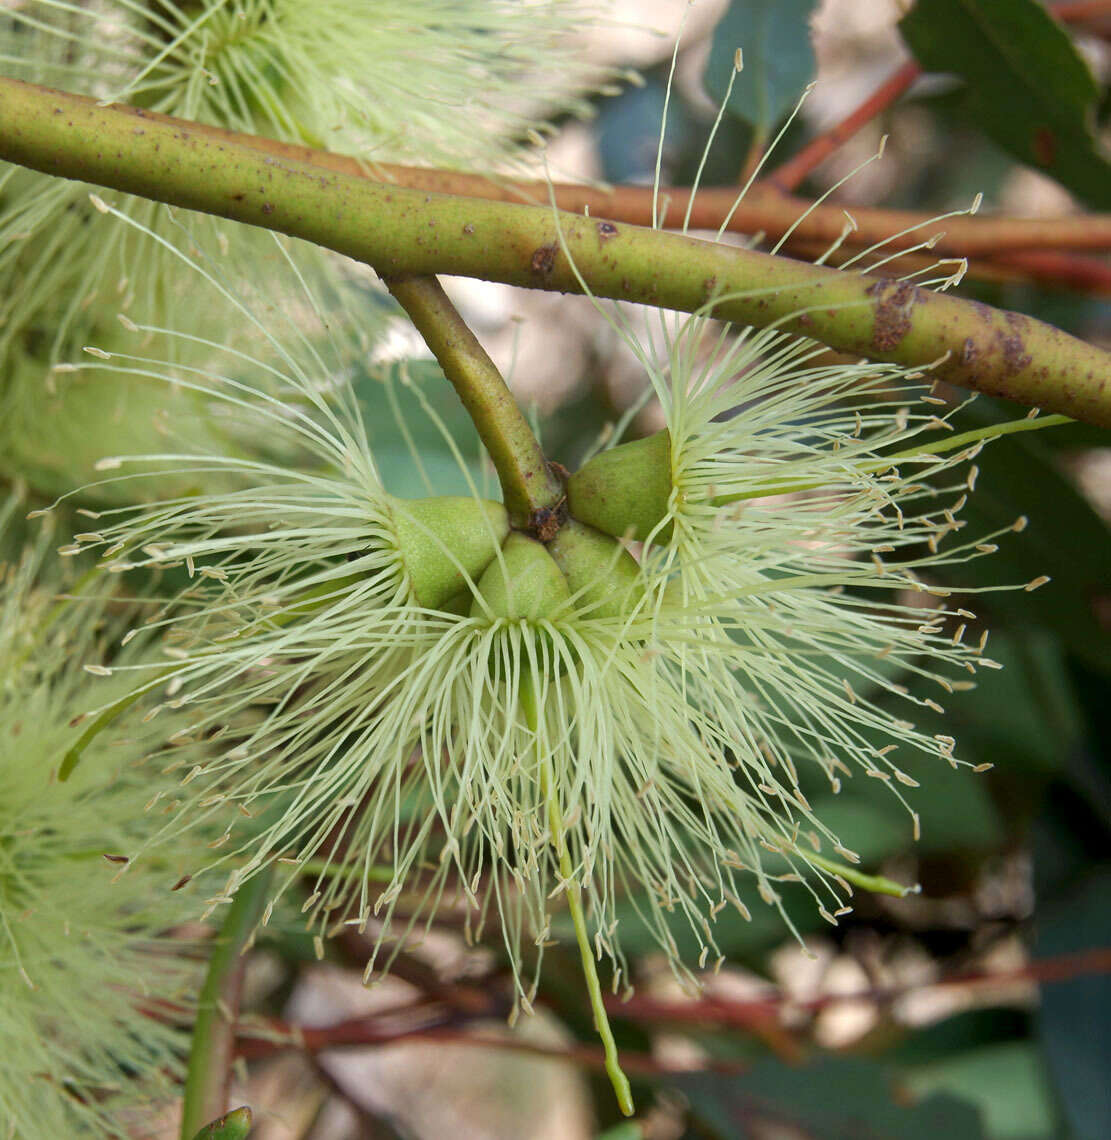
[[206, 1082], [573, 892], [527, 482], [400, 231]]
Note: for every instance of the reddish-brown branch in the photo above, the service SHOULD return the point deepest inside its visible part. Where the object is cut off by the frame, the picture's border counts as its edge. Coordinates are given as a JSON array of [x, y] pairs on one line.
[[790, 174], [1046, 267], [718, 1011], [1088, 274], [432, 1021], [364, 1032], [1081, 11]]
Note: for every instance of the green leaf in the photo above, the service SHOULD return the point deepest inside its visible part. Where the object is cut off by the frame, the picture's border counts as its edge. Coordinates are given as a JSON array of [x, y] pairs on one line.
[[954, 807], [835, 1099], [1027, 86], [1007, 1082], [1072, 883], [774, 37], [1024, 717], [413, 419], [1074, 1025]]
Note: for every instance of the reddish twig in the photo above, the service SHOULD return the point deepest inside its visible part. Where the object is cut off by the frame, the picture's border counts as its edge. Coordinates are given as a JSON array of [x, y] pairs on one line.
[[436, 1022], [1081, 11], [741, 1014], [361, 1032], [1046, 267], [1053, 267], [790, 174]]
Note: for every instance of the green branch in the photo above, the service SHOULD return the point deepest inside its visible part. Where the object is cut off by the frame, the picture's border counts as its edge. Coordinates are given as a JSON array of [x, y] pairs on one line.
[[400, 231], [527, 482], [210, 1058]]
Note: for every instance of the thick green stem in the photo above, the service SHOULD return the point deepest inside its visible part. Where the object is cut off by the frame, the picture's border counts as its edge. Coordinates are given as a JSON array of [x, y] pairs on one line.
[[210, 1058], [573, 892], [527, 482], [402, 232]]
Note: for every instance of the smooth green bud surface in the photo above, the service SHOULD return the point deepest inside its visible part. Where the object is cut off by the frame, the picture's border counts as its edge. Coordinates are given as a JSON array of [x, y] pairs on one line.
[[624, 491], [446, 540], [233, 1126], [524, 583], [603, 576]]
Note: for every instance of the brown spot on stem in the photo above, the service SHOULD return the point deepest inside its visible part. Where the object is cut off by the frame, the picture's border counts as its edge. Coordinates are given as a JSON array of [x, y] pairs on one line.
[[606, 230], [544, 523], [468, 229], [267, 207], [894, 303], [543, 259], [1015, 356]]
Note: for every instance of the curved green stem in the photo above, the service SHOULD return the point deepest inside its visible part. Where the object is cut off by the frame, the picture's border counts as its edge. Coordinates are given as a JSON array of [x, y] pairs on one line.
[[527, 482], [573, 892], [401, 231], [206, 1080]]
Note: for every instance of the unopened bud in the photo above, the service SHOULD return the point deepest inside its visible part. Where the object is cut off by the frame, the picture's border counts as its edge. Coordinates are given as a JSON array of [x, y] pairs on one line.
[[625, 491]]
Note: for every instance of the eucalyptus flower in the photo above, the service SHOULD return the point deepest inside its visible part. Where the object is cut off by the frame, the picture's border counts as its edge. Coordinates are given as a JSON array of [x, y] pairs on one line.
[[88, 977], [415, 708]]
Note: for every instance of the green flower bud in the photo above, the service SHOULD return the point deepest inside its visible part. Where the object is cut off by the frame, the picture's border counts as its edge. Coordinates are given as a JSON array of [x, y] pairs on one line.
[[604, 577], [232, 1126], [445, 541], [524, 583], [625, 491]]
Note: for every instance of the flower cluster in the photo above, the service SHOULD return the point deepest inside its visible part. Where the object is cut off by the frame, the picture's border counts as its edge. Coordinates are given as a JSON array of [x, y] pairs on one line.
[[420, 708], [91, 983]]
